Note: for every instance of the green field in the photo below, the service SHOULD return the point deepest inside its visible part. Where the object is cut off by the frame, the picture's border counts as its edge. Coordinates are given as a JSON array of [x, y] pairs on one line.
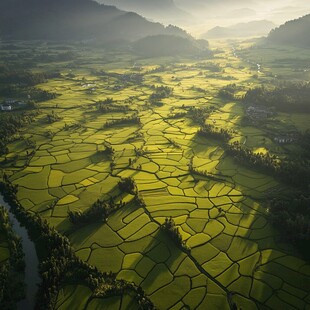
[[236, 255]]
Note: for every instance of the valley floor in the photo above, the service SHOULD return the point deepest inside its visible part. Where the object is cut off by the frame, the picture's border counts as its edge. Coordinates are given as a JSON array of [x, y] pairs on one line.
[[236, 256]]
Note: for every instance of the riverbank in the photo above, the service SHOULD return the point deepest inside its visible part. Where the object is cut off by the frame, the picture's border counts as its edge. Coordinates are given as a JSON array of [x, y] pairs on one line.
[[32, 278]]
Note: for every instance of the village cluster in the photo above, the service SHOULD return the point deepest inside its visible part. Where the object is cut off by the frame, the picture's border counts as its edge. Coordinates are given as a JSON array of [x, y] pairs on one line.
[[12, 104]]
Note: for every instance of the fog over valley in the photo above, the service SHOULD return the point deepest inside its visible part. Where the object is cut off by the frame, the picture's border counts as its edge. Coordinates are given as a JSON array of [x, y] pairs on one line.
[[199, 16]]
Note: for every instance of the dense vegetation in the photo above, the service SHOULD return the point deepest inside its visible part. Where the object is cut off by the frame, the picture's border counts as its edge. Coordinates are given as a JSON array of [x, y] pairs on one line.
[[292, 217], [127, 185], [228, 92], [289, 97], [160, 92], [134, 120], [11, 270], [288, 171], [10, 125], [107, 106], [172, 231], [293, 33], [210, 131], [59, 264], [11, 75], [19, 83], [98, 212], [198, 115]]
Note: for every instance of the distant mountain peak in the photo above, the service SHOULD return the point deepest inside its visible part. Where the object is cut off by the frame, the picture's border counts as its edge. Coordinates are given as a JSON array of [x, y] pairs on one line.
[[247, 29], [161, 10]]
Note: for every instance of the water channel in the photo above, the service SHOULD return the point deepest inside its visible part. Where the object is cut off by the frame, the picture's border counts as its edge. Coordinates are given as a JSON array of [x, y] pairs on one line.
[[32, 278]]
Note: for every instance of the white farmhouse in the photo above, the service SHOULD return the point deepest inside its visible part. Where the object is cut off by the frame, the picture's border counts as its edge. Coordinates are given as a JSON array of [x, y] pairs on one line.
[[6, 107]]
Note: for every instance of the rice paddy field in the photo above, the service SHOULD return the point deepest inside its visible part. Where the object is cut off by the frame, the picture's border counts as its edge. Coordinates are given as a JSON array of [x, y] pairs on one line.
[[235, 256]]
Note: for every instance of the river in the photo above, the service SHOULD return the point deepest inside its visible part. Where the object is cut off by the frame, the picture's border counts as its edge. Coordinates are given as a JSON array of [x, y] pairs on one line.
[[32, 277]]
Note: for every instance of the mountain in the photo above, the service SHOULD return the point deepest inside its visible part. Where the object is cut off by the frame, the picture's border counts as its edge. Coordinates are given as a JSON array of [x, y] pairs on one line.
[[253, 28], [223, 12], [212, 6], [74, 20], [292, 33], [170, 45], [161, 10]]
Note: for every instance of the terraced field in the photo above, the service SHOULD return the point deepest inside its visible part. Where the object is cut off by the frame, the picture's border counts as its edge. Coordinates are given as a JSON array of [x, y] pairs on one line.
[[235, 255]]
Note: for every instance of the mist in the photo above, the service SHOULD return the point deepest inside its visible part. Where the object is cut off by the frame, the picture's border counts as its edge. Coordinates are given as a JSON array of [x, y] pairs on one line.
[[199, 16]]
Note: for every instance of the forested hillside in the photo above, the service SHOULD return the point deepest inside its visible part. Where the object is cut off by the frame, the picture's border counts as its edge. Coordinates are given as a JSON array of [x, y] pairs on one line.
[[72, 19], [294, 32]]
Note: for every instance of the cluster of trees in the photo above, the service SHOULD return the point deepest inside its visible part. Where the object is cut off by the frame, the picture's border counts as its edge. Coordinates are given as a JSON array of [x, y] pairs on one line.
[[39, 95], [288, 97], [291, 172], [124, 79], [195, 171], [107, 106], [59, 264], [173, 232], [127, 185], [99, 211], [160, 92], [292, 218], [18, 82], [228, 91], [11, 289], [109, 151], [160, 68], [213, 67], [10, 125], [168, 227], [199, 115], [103, 104], [210, 131], [11, 75], [176, 115], [53, 117], [55, 249], [133, 78], [129, 120]]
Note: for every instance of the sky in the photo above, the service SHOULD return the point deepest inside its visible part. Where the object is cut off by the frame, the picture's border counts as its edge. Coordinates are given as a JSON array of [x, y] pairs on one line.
[[202, 15], [211, 13]]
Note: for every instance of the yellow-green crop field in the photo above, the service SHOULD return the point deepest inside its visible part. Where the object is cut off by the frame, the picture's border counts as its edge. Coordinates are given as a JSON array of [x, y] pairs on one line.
[[235, 253]]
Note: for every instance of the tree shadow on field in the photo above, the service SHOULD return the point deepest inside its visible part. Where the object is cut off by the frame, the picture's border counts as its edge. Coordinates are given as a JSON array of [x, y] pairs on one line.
[[277, 275], [85, 231], [156, 260]]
